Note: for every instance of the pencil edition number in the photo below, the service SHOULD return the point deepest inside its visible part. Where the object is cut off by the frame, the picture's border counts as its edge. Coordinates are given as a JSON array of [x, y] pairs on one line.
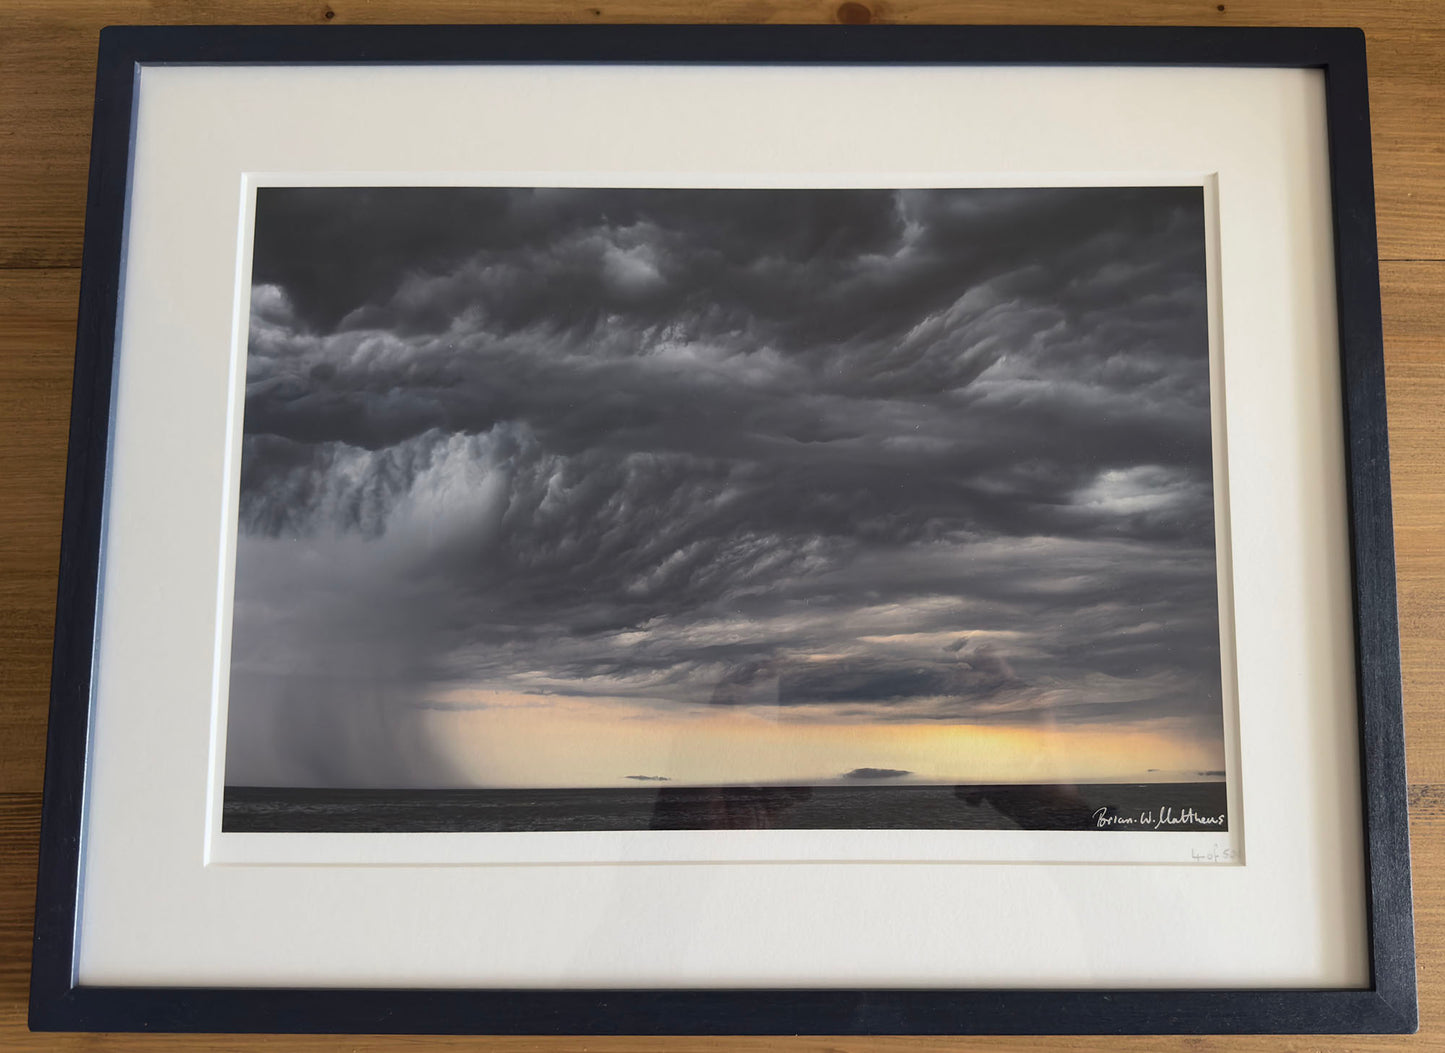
[[1213, 854]]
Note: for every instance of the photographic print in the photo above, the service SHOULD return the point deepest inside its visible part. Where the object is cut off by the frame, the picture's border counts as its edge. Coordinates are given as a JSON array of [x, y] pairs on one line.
[[649, 509]]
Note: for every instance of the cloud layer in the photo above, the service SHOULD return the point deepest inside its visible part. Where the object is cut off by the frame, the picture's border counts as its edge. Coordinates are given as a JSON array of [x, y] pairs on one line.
[[859, 455]]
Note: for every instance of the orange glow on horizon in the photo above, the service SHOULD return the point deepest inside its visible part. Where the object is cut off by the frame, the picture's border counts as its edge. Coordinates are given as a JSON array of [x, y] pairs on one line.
[[507, 739]]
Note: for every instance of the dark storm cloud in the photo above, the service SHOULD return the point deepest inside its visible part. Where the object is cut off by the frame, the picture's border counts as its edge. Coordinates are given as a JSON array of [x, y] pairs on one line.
[[964, 679], [341, 250], [922, 454]]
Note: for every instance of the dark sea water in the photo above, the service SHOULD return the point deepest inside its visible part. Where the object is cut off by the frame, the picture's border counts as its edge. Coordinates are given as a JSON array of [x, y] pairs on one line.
[[1098, 806]]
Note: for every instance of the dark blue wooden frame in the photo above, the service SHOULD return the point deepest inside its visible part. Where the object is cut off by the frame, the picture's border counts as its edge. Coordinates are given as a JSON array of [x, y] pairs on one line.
[[1388, 1005]]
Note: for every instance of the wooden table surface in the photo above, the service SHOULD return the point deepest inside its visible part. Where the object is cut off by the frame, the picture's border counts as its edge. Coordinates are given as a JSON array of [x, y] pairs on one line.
[[47, 64]]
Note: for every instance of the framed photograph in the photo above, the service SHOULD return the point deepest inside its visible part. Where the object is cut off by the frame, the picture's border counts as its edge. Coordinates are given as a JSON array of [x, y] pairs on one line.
[[699, 530]]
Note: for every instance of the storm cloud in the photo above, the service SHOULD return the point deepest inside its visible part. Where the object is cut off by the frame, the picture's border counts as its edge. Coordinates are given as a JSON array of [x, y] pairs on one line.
[[862, 455]]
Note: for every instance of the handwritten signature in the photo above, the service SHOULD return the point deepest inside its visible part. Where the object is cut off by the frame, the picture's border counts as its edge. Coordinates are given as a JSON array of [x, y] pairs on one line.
[[1156, 820]]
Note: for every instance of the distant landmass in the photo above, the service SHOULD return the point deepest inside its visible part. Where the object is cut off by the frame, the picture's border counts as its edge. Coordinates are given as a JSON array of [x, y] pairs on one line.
[[876, 773]]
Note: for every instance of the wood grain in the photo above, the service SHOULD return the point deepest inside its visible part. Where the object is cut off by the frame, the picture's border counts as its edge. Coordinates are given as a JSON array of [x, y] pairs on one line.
[[47, 53], [1412, 296], [36, 341]]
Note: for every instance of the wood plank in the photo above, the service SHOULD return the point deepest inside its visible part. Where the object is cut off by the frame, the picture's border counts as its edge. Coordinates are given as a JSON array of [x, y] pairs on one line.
[[1413, 300], [47, 62], [37, 342]]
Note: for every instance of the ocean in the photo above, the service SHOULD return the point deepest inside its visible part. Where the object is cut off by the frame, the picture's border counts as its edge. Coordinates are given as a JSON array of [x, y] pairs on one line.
[[1094, 806]]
